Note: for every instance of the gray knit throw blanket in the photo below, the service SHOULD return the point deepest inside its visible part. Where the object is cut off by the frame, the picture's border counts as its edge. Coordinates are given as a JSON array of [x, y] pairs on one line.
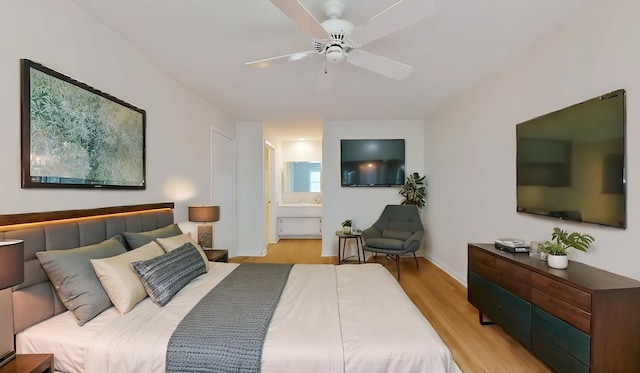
[[225, 331]]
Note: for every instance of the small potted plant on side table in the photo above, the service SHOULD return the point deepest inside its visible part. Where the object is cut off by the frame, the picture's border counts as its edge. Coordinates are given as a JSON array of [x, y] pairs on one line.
[[346, 226], [560, 242]]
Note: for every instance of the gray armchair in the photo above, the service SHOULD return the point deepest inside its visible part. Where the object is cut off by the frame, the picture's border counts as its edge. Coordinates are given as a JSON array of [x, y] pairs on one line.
[[398, 231]]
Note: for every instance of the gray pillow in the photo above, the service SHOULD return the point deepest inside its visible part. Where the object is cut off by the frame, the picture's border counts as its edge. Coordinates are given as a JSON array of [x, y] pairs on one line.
[[137, 239], [74, 279], [164, 275]]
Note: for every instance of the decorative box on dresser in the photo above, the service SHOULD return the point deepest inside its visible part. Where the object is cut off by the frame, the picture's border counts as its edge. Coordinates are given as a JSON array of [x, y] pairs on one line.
[[579, 319]]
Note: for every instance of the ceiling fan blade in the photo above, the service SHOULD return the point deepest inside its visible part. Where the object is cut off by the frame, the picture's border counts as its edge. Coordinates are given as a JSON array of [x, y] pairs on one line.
[[286, 58], [302, 17], [378, 64], [401, 14], [327, 77]]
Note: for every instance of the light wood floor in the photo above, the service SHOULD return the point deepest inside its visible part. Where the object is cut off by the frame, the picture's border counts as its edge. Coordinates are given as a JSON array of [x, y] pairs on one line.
[[441, 299]]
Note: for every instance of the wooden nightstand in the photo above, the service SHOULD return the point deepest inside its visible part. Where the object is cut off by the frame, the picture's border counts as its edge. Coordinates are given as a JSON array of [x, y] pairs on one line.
[[218, 255], [29, 363]]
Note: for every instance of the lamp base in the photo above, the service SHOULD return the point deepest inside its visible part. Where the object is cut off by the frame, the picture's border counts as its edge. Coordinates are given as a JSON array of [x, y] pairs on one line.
[[7, 348], [205, 236], [7, 357]]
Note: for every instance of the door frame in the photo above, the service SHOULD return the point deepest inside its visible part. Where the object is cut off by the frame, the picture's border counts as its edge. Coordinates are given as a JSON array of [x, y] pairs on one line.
[[270, 193]]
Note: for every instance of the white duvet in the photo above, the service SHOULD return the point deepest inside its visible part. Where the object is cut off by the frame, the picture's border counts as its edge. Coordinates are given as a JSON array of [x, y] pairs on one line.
[[349, 318]]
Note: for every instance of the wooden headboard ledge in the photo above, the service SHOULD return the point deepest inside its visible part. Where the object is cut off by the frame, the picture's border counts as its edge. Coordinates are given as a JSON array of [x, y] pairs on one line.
[[48, 216]]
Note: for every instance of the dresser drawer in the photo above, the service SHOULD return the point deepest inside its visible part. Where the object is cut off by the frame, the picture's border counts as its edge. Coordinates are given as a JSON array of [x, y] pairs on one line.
[[561, 335], [505, 274], [477, 256], [569, 294], [563, 310], [480, 262], [509, 311], [514, 278], [556, 358], [513, 272]]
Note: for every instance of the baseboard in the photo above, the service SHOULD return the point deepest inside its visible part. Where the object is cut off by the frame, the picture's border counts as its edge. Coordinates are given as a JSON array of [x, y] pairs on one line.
[[251, 253], [461, 279]]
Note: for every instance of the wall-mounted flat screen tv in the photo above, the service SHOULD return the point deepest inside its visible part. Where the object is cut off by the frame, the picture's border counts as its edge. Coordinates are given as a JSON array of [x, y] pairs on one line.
[[372, 163], [571, 162]]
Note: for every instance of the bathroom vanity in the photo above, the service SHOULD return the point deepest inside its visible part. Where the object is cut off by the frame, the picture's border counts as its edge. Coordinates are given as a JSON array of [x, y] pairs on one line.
[[300, 220]]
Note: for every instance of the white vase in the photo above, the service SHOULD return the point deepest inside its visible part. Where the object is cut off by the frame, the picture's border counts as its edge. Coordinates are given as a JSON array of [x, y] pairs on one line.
[[346, 229], [558, 261]]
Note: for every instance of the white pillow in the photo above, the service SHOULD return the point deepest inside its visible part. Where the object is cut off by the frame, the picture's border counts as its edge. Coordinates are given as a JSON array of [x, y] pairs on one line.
[[120, 280], [172, 243]]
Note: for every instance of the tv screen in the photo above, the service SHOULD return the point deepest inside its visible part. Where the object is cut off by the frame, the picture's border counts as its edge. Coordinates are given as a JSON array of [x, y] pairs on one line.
[[372, 162], [571, 163]]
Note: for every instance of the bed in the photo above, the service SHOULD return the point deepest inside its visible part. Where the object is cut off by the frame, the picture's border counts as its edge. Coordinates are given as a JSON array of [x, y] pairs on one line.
[[348, 318]]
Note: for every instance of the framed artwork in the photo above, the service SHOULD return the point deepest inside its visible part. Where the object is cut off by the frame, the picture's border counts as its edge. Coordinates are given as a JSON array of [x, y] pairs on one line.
[[75, 136]]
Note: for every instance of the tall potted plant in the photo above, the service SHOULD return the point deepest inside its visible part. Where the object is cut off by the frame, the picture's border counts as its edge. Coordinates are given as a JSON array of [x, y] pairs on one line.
[[414, 190], [560, 242]]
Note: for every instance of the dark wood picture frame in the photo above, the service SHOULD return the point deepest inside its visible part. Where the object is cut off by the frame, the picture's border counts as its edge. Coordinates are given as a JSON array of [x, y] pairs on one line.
[[75, 136]]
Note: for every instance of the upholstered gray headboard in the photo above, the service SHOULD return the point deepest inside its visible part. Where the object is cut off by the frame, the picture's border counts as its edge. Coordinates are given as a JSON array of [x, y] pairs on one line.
[[35, 299]]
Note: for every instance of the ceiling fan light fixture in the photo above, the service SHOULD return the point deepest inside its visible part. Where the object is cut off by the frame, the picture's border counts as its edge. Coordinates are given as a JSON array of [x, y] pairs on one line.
[[335, 54], [337, 27]]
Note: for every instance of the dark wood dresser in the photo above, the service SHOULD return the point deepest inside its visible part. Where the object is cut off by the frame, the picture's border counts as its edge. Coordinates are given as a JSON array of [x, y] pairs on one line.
[[579, 319]]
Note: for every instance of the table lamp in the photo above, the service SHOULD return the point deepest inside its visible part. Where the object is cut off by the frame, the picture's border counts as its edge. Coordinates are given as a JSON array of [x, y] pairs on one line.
[[204, 214], [11, 274]]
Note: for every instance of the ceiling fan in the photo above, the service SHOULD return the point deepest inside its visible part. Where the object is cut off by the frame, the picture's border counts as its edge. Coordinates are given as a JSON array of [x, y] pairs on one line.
[[337, 39]]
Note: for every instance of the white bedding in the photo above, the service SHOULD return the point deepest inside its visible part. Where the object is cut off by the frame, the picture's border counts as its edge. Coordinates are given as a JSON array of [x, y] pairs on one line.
[[367, 325]]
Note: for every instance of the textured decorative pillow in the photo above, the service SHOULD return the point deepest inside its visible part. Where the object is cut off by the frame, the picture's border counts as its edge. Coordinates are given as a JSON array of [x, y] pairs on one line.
[[120, 280], [165, 275], [172, 243], [74, 279], [137, 239]]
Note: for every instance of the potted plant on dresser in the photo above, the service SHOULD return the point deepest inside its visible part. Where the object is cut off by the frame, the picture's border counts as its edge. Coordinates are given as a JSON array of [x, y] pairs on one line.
[[560, 242]]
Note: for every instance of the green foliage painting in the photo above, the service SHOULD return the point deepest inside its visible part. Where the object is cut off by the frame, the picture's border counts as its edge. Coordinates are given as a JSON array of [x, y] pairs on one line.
[[79, 137]]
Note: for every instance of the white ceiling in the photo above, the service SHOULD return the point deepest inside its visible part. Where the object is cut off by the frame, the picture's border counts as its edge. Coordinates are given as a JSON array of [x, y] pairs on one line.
[[205, 43]]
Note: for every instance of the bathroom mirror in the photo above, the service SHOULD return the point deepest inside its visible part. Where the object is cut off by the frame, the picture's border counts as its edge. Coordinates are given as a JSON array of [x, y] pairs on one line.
[[302, 176]]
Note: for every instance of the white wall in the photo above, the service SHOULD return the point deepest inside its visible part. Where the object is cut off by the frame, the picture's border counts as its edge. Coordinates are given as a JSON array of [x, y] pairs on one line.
[[363, 205], [251, 236], [293, 151], [470, 143], [64, 38], [223, 189]]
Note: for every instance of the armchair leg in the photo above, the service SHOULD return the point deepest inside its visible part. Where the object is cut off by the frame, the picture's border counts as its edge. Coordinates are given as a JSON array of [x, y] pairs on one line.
[[416, 259], [398, 266]]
